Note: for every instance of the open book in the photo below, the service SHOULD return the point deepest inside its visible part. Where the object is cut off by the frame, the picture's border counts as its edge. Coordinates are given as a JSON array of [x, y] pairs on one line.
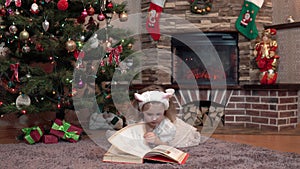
[[129, 146]]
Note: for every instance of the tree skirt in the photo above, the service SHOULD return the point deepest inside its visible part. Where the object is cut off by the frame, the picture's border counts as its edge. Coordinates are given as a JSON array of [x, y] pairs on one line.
[[85, 154]]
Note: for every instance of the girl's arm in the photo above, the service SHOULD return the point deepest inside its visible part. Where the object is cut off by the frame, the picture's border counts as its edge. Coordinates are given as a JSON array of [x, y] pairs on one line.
[[152, 138]]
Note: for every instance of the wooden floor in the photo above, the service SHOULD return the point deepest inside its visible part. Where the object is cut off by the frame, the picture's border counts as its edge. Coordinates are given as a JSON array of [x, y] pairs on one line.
[[285, 141]]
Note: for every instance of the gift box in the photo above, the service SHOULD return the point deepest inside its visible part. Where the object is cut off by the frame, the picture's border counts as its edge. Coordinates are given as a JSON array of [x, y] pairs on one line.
[[65, 130], [32, 134], [49, 139]]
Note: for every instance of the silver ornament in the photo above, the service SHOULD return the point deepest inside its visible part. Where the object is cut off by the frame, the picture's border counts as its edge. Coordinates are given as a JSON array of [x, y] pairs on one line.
[[13, 29], [45, 25]]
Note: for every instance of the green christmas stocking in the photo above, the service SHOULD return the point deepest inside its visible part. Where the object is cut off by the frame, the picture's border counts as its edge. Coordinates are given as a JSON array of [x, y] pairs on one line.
[[245, 23]]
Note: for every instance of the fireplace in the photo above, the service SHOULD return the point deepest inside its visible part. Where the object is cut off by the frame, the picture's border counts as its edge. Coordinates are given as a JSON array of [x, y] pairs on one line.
[[205, 57]]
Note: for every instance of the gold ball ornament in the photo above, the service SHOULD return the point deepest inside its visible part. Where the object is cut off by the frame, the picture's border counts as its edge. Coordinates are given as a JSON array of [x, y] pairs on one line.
[[91, 11], [123, 16], [24, 35], [129, 46], [70, 45], [208, 9]]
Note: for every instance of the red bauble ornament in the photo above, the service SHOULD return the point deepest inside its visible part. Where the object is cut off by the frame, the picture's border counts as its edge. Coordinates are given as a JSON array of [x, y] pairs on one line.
[[110, 5], [84, 13], [39, 47], [91, 11], [2, 12], [62, 5], [101, 17]]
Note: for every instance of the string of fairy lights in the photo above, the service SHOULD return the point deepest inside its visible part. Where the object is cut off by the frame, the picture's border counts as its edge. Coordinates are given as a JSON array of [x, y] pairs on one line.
[[107, 10]]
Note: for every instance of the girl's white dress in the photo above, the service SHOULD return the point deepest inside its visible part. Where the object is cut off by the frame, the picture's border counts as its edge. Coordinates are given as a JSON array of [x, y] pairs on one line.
[[178, 133]]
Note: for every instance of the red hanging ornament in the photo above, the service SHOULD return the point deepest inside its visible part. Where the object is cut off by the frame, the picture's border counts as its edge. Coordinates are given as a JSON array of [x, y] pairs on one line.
[[62, 5], [34, 8], [15, 69], [79, 54], [101, 17], [84, 13], [39, 47], [23, 111], [110, 5], [2, 11], [114, 54], [91, 11]]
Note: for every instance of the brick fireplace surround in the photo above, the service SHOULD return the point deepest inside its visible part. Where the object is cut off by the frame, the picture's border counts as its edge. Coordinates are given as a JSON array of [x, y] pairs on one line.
[[263, 107], [249, 104]]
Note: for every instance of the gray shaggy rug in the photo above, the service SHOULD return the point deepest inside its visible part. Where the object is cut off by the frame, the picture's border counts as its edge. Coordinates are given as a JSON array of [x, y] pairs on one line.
[[85, 154]]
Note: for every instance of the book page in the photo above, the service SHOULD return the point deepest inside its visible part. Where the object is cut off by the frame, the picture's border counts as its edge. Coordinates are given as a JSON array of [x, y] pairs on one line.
[[131, 140], [168, 151], [115, 155]]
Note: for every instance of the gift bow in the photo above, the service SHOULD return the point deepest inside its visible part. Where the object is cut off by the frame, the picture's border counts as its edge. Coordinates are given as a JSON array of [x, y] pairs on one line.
[[27, 132], [18, 3], [64, 127], [114, 53], [15, 67]]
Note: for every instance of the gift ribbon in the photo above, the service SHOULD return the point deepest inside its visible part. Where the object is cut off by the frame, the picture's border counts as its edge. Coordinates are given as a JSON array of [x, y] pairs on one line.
[[64, 127], [14, 68], [114, 53], [27, 132], [18, 3]]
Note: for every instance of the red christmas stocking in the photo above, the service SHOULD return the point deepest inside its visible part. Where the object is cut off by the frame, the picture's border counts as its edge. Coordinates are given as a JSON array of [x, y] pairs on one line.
[[152, 23]]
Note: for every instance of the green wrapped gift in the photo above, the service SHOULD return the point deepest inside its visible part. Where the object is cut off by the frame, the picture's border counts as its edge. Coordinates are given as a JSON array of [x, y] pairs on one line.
[[32, 134], [66, 131]]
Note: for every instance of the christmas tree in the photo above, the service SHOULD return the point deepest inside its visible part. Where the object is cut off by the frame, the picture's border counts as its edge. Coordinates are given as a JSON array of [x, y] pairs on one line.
[[44, 42]]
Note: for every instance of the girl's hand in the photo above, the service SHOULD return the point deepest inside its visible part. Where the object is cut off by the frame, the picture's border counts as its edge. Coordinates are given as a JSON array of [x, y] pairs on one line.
[[150, 137]]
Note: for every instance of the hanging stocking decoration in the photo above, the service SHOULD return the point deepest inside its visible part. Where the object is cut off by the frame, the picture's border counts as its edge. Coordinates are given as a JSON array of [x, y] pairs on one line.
[[245, 23], [152, 23]]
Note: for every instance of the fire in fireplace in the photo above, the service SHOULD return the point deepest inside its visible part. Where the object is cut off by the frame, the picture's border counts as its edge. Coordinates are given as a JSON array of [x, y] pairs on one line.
[[205, 57]]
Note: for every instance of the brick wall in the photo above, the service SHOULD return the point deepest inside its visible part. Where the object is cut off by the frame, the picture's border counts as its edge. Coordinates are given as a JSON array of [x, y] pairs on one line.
[[262, 109]]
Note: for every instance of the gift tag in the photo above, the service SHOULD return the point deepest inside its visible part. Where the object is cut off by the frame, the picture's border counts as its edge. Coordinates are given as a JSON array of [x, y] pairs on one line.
[[23, 100]]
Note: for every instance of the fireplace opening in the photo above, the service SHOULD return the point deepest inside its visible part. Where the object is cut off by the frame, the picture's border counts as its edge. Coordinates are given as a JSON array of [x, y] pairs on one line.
[[199, 52]]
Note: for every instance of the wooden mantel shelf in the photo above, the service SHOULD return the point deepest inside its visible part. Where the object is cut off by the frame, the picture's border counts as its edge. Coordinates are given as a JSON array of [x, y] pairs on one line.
[[284, 26], [294, 87], [284, 86]]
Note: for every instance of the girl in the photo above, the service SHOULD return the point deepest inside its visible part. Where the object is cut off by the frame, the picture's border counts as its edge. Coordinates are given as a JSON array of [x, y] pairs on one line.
[[162, 125]]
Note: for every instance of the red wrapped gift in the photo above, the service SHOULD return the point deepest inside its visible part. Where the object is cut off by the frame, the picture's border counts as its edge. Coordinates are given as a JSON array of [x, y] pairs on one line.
[[49, 139], [66, 130], [32, 134]]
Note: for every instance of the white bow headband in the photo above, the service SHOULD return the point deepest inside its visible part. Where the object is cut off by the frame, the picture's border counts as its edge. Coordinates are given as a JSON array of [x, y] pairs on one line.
[[157, 96]]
